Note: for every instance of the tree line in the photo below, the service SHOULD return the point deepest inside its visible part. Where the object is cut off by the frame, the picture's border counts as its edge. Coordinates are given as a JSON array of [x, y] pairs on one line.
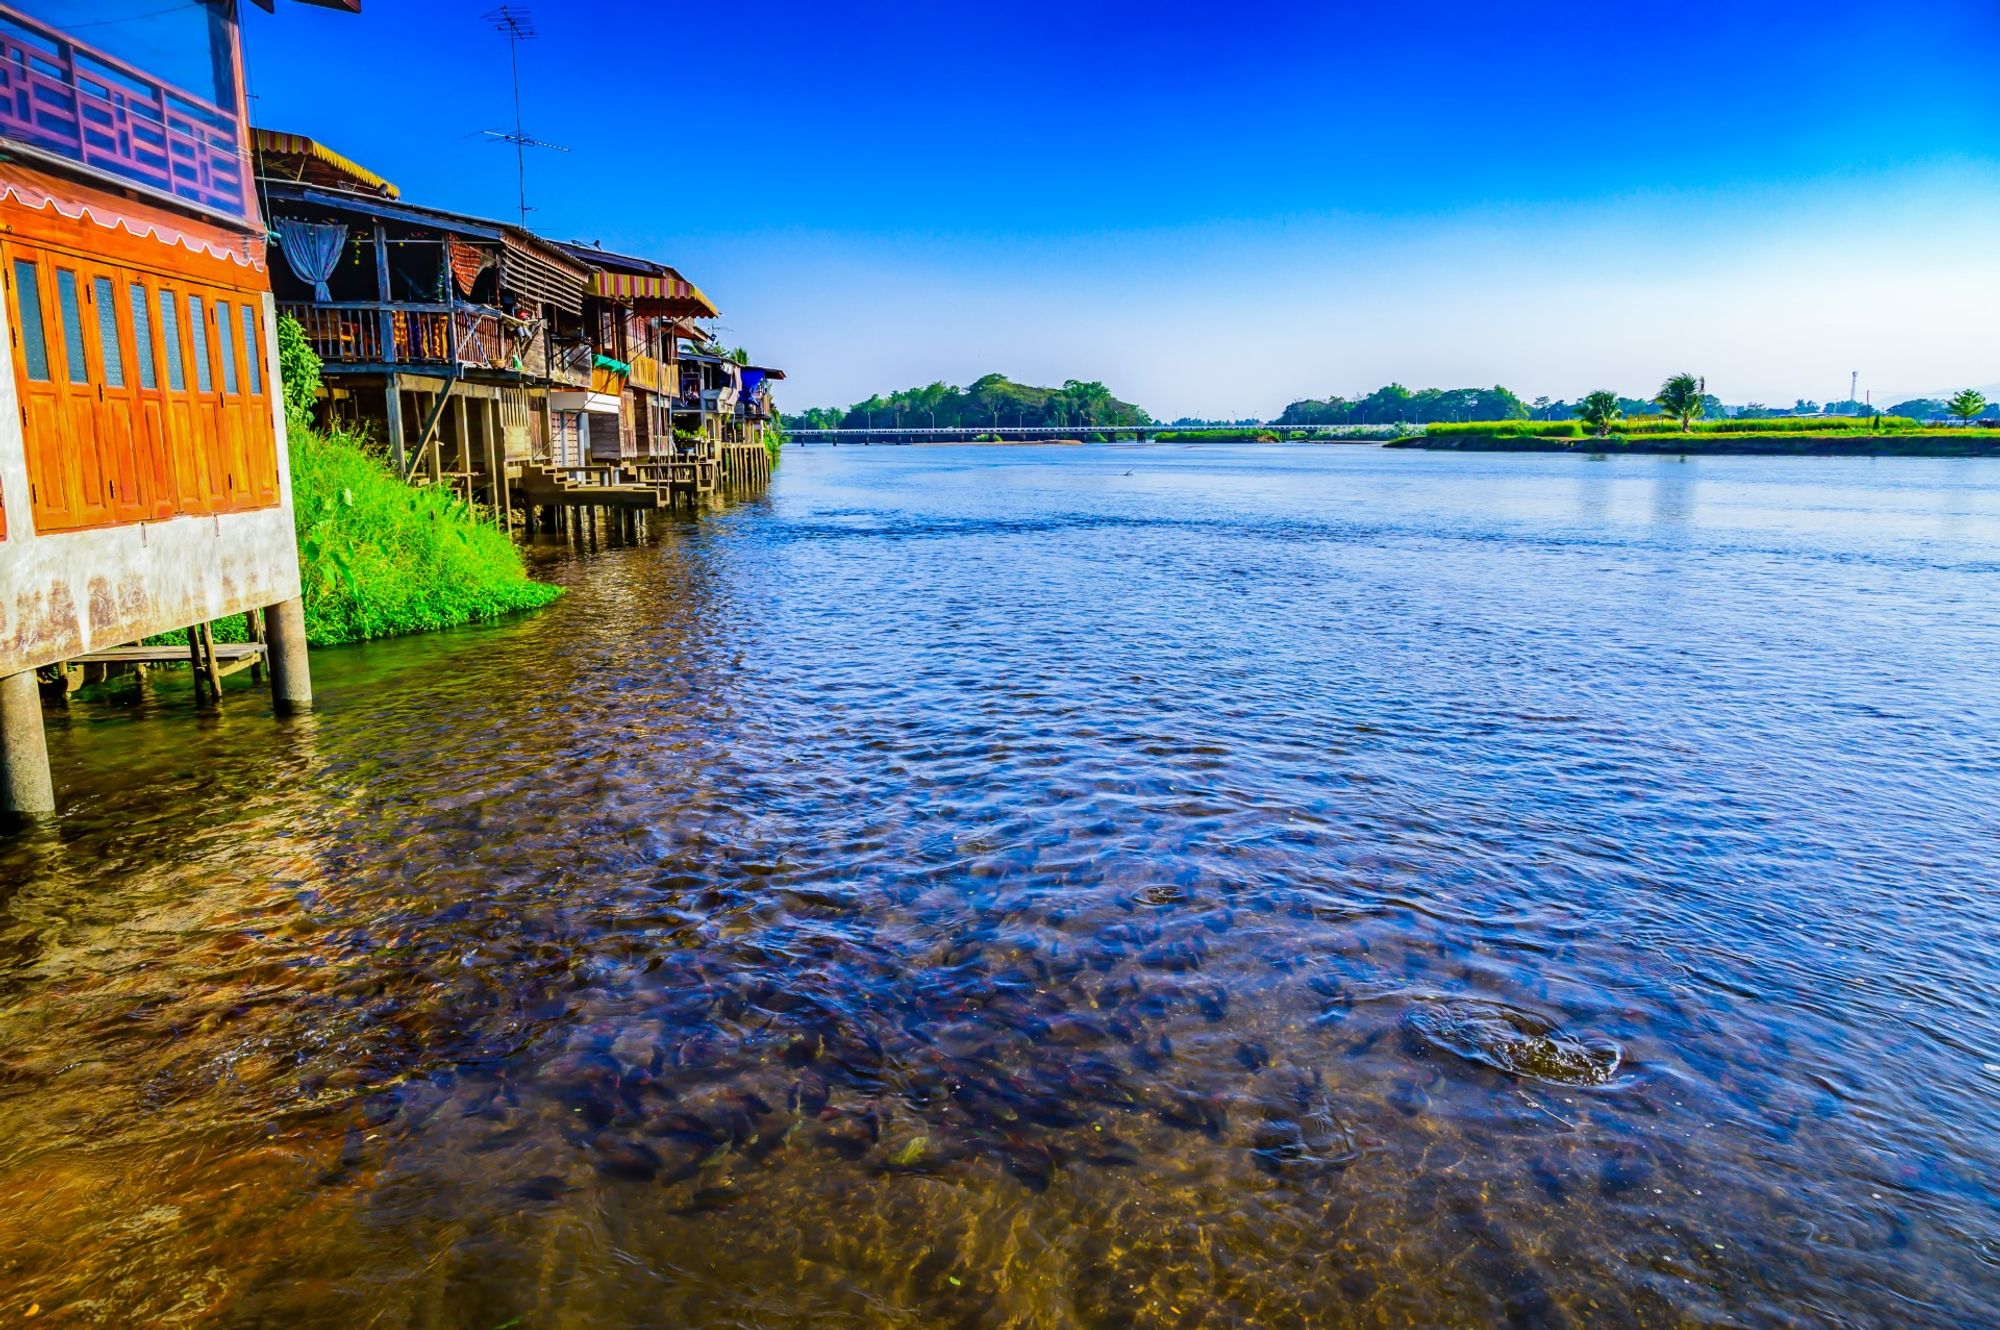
[[988, 402], [1683, 397]]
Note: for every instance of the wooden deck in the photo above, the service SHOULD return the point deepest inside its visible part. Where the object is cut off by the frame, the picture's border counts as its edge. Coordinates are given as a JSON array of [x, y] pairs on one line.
[[594, 486]]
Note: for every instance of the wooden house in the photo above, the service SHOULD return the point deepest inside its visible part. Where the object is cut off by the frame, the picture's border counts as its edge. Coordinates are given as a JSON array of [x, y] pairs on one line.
[[450, 335], [143, 477], [638, 311]]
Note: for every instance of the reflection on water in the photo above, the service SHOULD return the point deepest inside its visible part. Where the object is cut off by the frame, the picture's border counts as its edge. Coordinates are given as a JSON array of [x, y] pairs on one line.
[[1040, 887]]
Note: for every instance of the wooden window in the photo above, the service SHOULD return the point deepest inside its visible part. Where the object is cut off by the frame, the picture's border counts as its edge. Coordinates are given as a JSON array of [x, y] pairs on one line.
[[204, 373], [71, 305], [142, 337], [170, 333], [117, 427], [225, 331], [34, 330], [104, 295], [251, 353]]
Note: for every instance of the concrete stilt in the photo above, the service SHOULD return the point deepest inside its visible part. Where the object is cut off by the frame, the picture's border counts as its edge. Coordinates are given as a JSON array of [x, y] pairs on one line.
[[291, 676], [25, 783]]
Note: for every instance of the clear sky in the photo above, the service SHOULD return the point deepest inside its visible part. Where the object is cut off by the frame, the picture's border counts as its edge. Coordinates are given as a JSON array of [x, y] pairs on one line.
[[1218, 208]]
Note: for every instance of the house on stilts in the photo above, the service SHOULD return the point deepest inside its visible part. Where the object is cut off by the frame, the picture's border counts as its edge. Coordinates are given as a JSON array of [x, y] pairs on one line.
[[530, 375], [143, 477]]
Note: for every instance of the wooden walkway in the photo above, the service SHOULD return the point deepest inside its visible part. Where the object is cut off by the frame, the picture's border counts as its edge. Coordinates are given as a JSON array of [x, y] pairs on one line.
[[208, 660]]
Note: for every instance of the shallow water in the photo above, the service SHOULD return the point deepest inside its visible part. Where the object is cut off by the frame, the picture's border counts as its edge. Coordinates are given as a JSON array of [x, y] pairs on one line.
[[1038, 887]]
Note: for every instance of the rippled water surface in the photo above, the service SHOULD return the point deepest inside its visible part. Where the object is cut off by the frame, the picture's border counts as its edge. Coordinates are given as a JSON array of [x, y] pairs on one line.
[[1037, 887]]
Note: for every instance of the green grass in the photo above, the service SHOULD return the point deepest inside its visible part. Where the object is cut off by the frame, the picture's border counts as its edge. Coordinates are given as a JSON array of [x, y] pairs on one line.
[[1837, 441], [379, 558], [1631, 425]]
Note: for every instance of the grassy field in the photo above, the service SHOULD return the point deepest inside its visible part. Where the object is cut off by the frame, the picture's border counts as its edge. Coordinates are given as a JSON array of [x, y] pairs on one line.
[[1856, 436]]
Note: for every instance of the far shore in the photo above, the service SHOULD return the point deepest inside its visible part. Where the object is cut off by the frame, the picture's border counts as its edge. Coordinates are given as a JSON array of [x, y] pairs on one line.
[[1906, 444]]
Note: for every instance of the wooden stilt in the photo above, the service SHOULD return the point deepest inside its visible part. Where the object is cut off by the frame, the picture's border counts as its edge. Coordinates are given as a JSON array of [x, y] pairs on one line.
[[208, 663], [194, 661], [256, 634]]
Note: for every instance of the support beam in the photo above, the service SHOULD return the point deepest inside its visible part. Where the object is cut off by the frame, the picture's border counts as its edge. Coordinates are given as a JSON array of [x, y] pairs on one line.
[[463, 462], [285, 640], [25, 784], [385, 317], [392, 392]]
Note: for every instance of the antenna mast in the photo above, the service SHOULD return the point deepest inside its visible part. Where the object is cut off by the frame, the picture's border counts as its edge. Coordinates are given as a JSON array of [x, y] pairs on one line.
[[517, 25]]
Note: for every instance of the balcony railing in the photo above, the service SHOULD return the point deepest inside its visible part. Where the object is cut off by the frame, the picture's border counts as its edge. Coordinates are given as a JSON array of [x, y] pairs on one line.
[[67, 99], [352, 333]]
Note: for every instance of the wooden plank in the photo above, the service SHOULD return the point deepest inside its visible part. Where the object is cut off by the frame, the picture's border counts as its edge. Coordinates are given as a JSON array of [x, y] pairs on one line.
[[167, 654]]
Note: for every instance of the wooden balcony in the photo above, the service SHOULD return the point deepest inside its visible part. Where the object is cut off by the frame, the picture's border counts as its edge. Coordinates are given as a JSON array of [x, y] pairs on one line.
[[358, 333], [74, 102], [655, 377]]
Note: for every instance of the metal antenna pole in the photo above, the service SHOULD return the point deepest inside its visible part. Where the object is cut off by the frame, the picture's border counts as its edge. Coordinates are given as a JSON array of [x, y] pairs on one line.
[[517, 25], [520, 134]]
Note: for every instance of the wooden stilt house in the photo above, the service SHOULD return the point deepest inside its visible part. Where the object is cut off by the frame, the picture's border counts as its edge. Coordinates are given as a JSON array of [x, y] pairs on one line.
[[446, 334], [143, 478]]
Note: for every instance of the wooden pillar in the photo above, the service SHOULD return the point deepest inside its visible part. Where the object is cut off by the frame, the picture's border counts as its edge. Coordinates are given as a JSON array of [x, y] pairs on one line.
[[194, 660], [436, 443], [392, 393], [463, 460], [385, 321], [26, 788], [208, 663], [502, 502]]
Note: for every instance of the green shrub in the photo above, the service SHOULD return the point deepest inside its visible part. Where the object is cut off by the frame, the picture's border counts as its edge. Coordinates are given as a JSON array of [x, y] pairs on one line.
[[378, 557], [298, 373]]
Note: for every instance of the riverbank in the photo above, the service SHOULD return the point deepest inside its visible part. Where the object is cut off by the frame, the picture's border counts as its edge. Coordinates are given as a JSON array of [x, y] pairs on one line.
[[379, 558], [1917, 443]]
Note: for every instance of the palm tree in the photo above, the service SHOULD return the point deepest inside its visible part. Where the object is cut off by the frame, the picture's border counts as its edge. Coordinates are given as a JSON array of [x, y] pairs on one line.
[[1968, 403], [1680, 397], [1599, 409]]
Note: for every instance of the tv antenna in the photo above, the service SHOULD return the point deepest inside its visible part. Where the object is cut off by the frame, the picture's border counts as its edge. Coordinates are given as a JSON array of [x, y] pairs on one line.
[[517, 25]]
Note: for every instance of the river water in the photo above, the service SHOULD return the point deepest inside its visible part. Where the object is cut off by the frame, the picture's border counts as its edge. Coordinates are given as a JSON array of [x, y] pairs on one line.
[[1040, 887]]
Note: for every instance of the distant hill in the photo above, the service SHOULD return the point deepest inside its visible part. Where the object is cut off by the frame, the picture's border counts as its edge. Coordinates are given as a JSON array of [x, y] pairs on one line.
[[987, 402]]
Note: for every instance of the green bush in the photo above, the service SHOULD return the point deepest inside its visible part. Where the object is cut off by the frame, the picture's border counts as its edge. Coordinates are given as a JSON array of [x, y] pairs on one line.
[[298, 373], [378, 558]]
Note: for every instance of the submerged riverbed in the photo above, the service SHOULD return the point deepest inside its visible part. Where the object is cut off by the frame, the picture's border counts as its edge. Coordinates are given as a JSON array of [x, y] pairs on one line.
[[1277, 886]]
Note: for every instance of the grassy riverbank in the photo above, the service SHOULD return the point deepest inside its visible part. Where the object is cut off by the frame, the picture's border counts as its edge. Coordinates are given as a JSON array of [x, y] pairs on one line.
[[1857, 436], [378, 558], [1251, 434]]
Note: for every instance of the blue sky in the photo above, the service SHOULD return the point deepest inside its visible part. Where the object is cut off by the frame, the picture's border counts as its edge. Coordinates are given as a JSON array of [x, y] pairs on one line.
[[1218, 208]]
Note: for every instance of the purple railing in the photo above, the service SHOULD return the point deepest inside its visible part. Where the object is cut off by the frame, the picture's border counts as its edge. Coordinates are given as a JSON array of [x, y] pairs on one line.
[[64, 98]]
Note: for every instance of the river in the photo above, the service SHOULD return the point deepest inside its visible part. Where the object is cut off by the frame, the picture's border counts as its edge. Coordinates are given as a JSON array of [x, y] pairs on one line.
[[1288, 886]]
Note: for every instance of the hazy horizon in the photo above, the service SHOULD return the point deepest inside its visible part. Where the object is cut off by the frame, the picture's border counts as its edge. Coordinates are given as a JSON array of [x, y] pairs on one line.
[[1294, 205]]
